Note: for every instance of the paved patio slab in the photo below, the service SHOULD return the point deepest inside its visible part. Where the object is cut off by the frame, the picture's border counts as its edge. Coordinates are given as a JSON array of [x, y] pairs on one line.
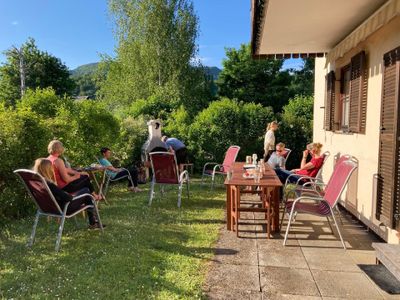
[[313, 265]]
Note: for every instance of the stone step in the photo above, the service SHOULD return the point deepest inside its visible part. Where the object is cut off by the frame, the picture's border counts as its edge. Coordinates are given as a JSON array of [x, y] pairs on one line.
[[389, 256]]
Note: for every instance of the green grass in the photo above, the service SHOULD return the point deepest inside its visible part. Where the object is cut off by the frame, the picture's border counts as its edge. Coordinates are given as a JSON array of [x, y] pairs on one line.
[[157, 252]]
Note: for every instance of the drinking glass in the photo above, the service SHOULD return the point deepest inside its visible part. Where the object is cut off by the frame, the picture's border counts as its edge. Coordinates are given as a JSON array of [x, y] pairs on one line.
[[257, 175], [254, 159], [248, 159]]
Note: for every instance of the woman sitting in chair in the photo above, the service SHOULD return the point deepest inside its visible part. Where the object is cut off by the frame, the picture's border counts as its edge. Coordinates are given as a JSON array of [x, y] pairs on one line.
[[44, 167], [310, 168], [116, 173], [68, 179]]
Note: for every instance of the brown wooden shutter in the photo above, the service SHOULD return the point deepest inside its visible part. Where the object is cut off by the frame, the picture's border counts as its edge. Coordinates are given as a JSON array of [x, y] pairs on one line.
[[330, 101], [387, 208], [358, 93]]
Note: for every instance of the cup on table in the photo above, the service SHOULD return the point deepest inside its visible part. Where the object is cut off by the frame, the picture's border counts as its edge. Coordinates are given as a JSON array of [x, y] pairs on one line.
[[229, 175], [257, 175], [248, 159], [254, 156]]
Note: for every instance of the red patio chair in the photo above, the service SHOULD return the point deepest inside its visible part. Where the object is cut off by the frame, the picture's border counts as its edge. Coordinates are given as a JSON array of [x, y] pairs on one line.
[[47, 204], [220, 169], [166, 172], [325, 204], [291, 187]]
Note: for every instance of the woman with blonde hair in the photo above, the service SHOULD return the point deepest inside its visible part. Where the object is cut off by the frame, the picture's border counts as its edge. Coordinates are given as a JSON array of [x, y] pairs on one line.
[[310, 168], [269, 139], [44, 167], [67, 179]]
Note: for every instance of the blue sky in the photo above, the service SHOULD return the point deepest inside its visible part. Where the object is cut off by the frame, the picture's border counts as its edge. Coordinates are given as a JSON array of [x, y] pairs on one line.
[[78, 31]]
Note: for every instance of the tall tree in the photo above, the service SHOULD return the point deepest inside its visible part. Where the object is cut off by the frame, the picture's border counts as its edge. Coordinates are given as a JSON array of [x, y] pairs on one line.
[[29, 67], [249, 80], [155, 54], [303, 79]]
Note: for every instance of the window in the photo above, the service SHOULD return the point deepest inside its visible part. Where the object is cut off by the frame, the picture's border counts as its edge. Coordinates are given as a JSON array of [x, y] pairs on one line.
[[345, 98], [347, 112]]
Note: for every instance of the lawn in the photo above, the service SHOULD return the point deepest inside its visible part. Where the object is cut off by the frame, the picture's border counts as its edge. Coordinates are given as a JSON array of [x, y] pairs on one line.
[[157, 252]]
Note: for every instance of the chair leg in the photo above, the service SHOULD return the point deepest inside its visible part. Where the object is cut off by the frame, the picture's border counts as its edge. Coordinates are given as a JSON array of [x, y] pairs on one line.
[[187, 189], [180, 194], [60, 231], [329, 223], [338, 230], [288, 226], [283, 217], [151, 192], [340, 217], [35, 223], [98, 217]]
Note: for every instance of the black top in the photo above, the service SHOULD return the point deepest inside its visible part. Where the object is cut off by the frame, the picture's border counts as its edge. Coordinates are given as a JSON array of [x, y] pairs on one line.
[[61, 197]]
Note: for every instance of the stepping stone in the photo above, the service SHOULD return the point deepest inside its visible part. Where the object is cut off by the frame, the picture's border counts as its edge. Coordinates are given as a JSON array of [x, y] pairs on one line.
[[389, 256]]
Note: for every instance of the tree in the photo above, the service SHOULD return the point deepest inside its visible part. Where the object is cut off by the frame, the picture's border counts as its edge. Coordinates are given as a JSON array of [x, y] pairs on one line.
[[303, 79], [250, 80], [156, 52], [36, 69]]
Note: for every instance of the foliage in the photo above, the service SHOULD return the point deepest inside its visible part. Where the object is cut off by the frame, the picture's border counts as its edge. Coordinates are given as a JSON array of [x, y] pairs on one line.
[[258, 81], [85, 86], [133, 133], [295, 129], [303, 79], [224, 123], [23, 138], [156, 53], [87, 69], [156, 252], [40, 116], [42, 70]]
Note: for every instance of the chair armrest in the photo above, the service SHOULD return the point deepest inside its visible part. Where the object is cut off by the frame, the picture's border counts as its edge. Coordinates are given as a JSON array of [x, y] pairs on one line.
[[208, 164], [184, 176], [84, 195]]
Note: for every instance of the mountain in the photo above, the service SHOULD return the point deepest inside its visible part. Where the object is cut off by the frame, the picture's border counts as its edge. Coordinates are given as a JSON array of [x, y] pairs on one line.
[[84, 70], [91, 68], [213, 71]]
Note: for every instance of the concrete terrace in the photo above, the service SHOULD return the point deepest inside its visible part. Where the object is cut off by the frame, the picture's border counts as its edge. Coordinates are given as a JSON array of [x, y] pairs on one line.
[[313, 265]]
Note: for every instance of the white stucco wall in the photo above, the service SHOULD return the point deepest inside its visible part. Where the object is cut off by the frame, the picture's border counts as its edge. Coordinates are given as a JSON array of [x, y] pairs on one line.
[[360, 198]]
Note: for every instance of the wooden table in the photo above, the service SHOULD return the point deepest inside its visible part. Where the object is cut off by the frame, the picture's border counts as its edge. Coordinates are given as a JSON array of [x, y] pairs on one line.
[[269, 182]]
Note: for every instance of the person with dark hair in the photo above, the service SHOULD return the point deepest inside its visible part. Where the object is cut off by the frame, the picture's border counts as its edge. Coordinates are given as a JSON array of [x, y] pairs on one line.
[[178, 147], [115, 173]]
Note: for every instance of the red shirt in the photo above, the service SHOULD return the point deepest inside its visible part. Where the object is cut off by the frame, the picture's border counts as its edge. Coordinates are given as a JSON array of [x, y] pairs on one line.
[[60, 182], [317, 163]]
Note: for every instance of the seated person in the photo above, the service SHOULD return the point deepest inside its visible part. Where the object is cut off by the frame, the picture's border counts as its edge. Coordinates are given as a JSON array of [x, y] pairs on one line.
[[44, 167], [116, 173], [277, 158], [178, 147], [310, 168], [68, 179]]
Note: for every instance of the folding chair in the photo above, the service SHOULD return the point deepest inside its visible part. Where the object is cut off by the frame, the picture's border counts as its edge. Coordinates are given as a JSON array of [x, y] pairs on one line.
[[47, 205], [220, 169], [108, 178], [166, 172], [322, 205]]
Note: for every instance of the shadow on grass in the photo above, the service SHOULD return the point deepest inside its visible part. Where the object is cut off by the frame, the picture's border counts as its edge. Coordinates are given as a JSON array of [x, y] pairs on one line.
[[145, 252]]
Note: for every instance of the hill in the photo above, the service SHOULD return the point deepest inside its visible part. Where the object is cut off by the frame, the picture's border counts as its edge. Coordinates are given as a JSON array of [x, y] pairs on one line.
[[92, 67], [84, 70]]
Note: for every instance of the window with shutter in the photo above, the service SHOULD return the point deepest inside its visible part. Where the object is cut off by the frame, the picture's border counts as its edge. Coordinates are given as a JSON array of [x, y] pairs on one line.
[[330, 101], [358, 93], [388, 189]]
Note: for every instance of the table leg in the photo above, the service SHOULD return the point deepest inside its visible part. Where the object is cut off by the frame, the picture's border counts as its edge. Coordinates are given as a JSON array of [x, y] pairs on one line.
[[228, 206], [102, 186], [275, 204]]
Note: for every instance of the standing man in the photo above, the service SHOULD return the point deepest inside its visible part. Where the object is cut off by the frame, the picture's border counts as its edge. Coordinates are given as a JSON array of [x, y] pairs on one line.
[[178, 147]]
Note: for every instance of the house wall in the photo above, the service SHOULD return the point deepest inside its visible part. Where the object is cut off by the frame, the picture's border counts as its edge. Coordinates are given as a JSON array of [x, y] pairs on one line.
[[360, 196]]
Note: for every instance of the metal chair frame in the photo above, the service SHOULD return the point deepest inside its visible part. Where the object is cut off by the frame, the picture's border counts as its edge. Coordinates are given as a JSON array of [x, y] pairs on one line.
[[182, 178], [217, 168], [62, 212], [293, 212]]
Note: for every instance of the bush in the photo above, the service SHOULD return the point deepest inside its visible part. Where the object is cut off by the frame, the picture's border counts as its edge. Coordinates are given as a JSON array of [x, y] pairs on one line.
[[224, 123], [296, 127], [23, 138], [27, 129]]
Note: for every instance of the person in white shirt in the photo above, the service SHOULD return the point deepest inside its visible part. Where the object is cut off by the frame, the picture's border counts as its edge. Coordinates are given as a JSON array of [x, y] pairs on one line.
[[269, 140]]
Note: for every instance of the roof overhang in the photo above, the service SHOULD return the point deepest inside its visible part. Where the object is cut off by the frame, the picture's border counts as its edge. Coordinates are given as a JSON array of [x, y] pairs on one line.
[[305, 28]]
